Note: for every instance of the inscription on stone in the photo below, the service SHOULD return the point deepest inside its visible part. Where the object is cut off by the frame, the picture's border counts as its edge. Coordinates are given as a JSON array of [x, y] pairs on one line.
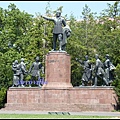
[[51, 61]]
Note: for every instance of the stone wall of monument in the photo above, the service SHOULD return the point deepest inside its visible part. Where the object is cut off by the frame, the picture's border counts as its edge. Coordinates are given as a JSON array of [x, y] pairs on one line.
[[59, 94], [74, 99]]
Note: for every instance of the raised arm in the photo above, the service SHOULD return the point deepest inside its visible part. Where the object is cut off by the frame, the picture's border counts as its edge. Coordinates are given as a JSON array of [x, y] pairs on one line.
[[47, 18]]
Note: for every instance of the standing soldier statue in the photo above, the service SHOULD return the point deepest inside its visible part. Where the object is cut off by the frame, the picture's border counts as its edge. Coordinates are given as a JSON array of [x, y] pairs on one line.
[[109, 69], [57, 30], [87, 73], [35, 71], [99, 71]]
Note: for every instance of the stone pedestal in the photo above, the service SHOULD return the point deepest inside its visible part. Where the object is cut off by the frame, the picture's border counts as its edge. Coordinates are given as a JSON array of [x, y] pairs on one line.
[[59, 94], [74, 99], [57, 70]]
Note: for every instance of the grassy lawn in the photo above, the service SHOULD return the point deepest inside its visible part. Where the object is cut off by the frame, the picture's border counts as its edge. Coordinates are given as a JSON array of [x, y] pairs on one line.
[[47, 116]]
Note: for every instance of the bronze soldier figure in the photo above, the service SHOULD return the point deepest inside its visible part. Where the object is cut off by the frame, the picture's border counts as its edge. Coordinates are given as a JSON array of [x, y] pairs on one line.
[[57, 30]]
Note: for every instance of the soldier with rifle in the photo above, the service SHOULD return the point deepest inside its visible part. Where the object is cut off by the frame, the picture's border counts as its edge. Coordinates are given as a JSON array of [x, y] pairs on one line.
[[87, 74]]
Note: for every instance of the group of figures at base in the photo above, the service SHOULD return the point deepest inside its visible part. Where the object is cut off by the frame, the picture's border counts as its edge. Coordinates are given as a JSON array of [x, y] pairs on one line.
[[102, 71], [19, 70]]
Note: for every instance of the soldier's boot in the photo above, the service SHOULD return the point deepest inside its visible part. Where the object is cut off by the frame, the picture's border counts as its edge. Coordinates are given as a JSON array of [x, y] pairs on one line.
[[22, 86], [106, 82], [60, 42], [95, 82], [60, 46], [83, 84], [39, 85]]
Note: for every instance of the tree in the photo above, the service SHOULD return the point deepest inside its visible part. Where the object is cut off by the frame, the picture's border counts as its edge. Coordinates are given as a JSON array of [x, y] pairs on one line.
[[13, 29]]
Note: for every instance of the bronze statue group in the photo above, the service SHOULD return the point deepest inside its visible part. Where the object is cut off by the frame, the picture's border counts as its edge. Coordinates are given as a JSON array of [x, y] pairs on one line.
[[61, 31], [102, 71], [19, 70]]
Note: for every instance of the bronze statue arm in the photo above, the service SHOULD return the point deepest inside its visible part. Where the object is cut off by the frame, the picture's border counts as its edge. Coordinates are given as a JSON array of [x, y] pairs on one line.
[[47, 18]]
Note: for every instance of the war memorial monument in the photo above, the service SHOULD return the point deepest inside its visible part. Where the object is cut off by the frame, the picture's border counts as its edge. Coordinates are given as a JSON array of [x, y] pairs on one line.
[[58, 94]]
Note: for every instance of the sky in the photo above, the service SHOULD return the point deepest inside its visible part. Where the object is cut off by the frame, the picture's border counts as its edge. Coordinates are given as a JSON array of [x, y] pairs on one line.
[[69, 7]]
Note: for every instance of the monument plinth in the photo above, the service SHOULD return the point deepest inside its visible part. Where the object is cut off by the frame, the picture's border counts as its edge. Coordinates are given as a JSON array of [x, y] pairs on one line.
[[57, 70], [58, 94]]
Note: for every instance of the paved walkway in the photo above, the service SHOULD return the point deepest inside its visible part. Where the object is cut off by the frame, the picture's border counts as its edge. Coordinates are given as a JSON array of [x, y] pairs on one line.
[[114, 114]]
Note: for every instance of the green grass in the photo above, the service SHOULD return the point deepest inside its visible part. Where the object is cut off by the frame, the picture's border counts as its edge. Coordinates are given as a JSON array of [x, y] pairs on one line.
[[48, 116]]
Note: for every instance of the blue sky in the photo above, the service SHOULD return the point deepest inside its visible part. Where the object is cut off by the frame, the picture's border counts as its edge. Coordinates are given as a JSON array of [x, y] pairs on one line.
[[69, 7]]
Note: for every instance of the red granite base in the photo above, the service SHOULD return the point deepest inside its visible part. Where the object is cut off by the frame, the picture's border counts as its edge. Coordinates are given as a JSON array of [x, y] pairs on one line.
[[61, 99], [57, 70], [59, 94], [57, 85]]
